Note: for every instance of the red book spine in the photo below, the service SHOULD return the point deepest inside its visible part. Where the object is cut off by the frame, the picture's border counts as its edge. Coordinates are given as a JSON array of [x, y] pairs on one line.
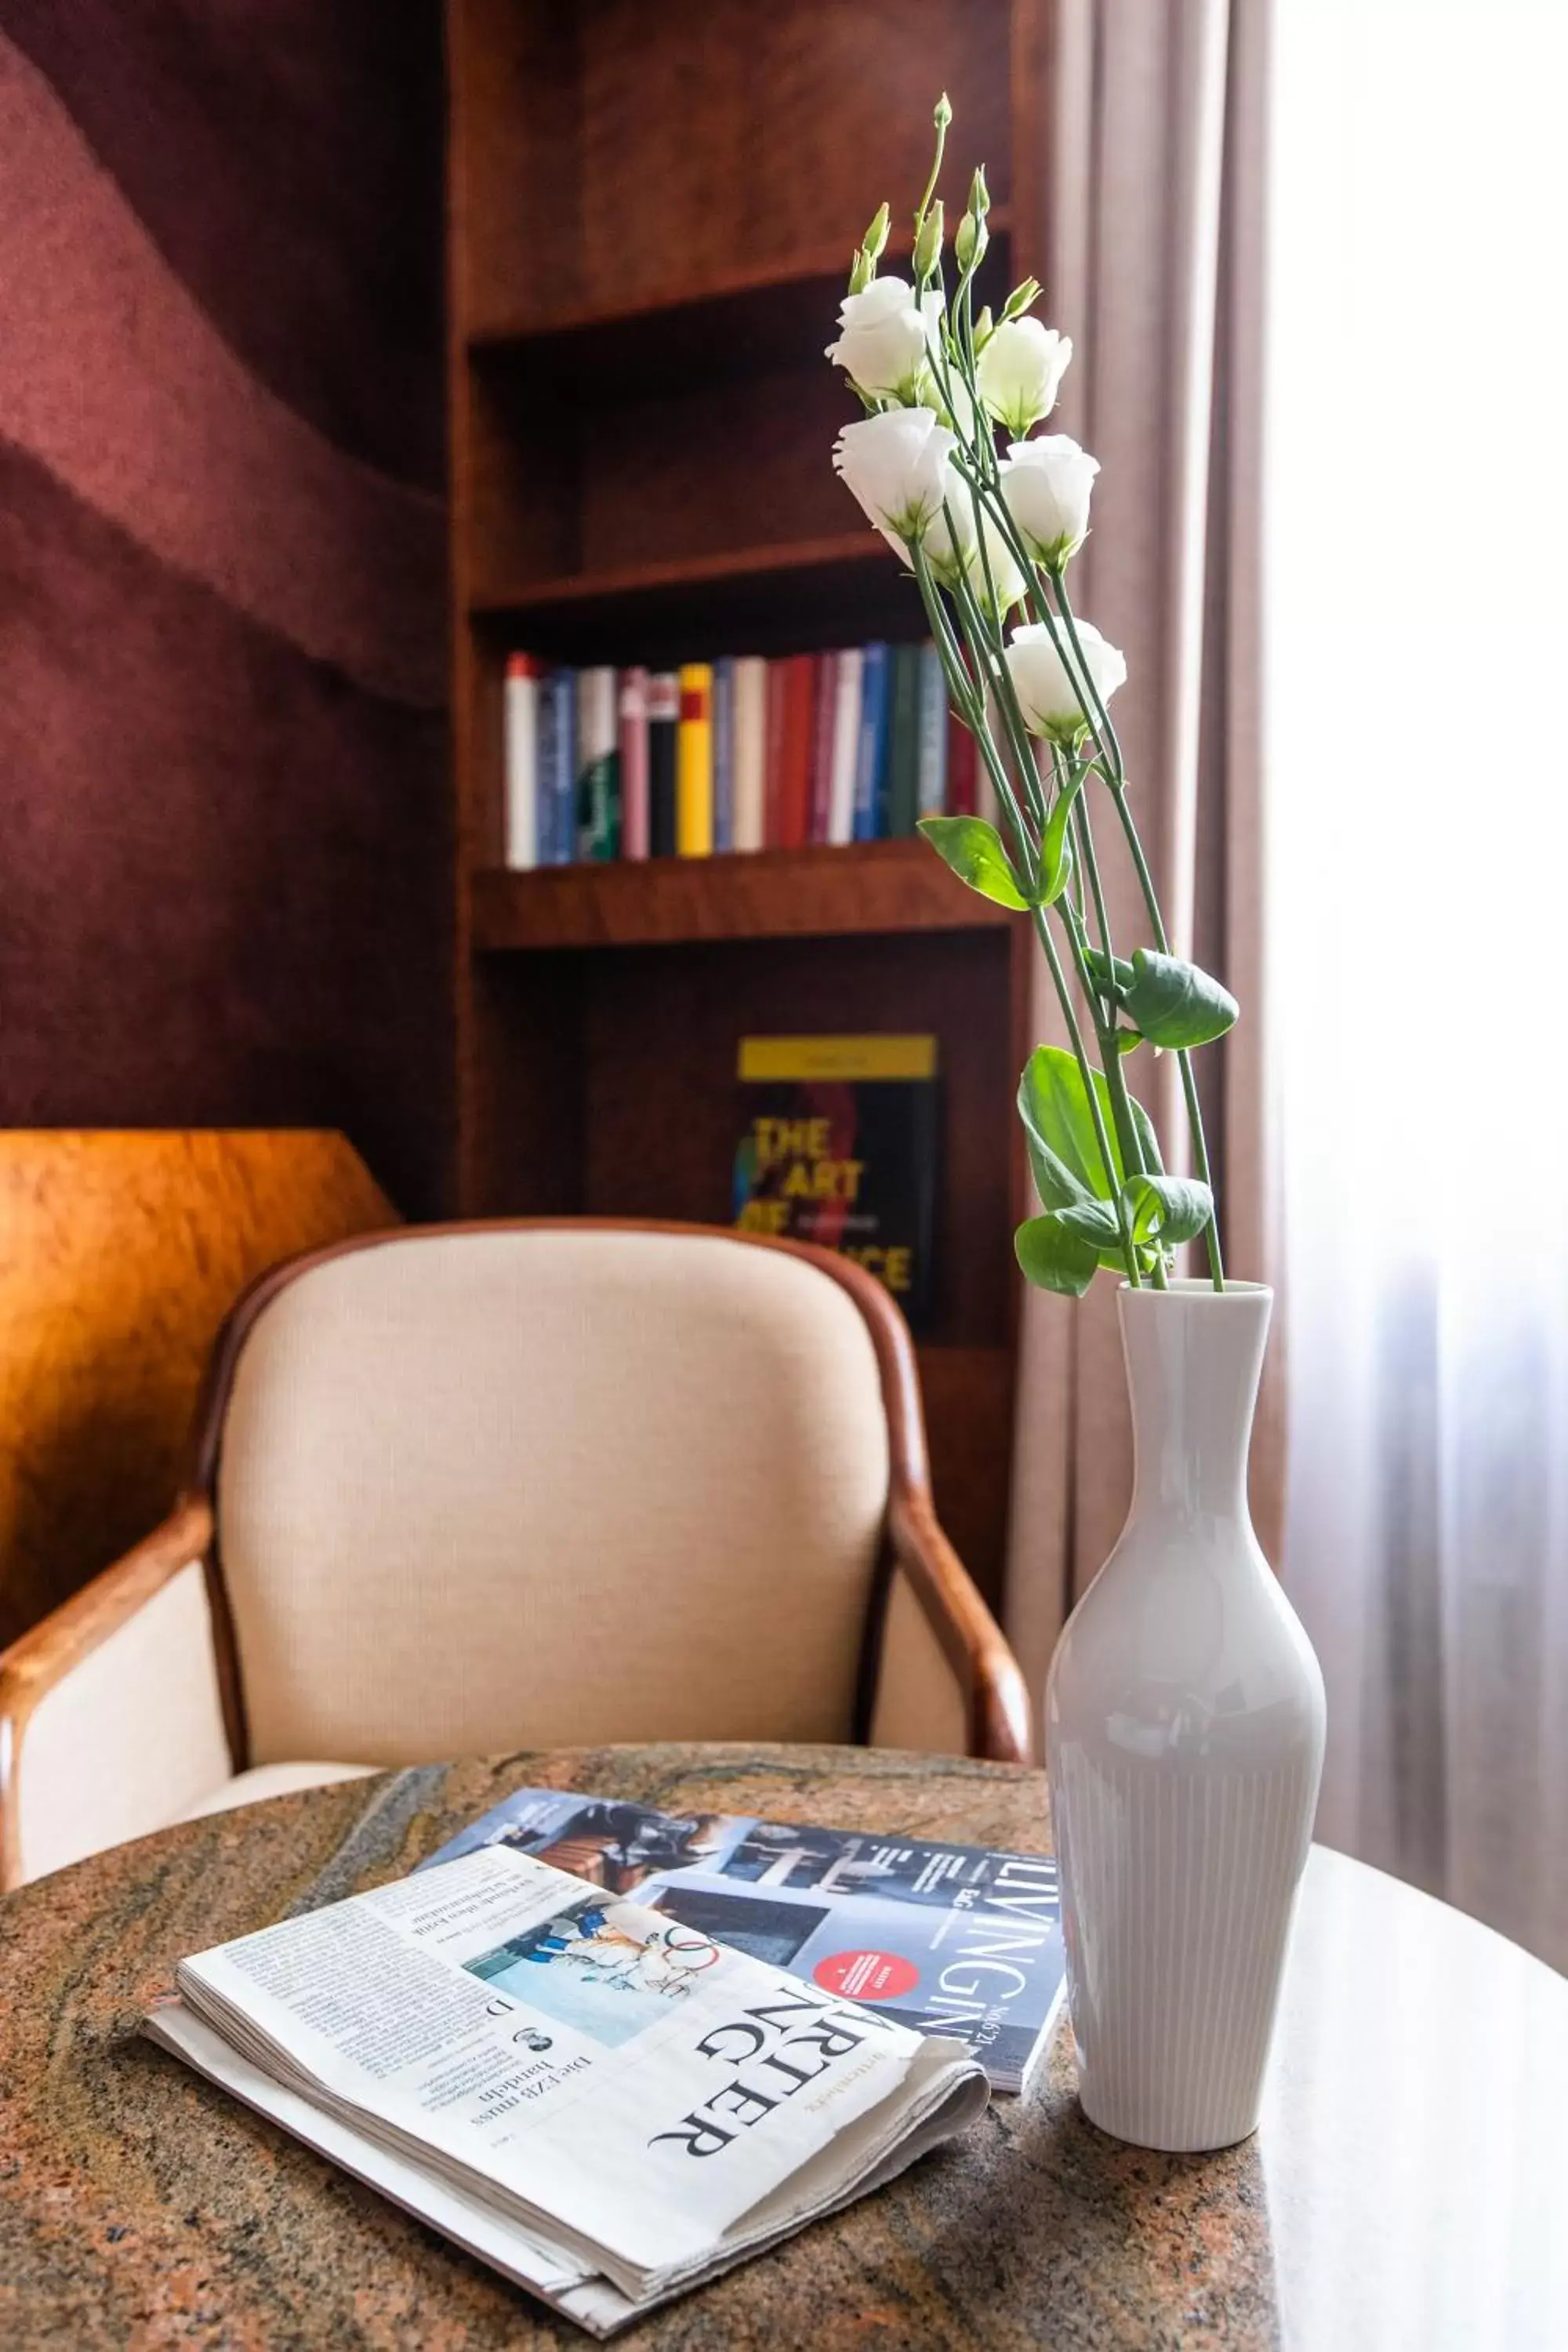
[[799, 733], [773, 756], [826, 689], [961, 782]]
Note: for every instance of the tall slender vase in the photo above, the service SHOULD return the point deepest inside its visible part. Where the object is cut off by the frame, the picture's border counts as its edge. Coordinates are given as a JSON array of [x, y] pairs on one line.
[[1185, 1744]]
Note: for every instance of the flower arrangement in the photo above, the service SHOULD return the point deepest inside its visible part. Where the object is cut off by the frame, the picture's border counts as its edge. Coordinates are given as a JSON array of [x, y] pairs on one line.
[[989, 536]]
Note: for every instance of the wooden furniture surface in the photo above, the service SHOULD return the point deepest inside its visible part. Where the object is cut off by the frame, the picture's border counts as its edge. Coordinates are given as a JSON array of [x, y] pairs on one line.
[[1405, 2189], [652, 211], [121, 1253]]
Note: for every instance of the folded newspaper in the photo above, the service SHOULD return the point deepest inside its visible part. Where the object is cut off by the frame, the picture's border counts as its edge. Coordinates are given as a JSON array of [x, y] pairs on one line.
[[597, 2099], [959, 1939]]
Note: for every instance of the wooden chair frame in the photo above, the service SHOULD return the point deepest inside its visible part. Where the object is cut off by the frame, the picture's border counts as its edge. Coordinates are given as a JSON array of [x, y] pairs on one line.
[[987, 1674]]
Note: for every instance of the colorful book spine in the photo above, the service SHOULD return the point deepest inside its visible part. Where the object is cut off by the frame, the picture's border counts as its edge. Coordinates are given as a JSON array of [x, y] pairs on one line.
[[799, 735], [824, 707], [663, 725], [631, 714], [750, 751], [598, 767], [556, 769], [520, 729], [694, 763], [901, 773], [871, 755], [773, 787], [724, 754], [932, 782], [846, 746]]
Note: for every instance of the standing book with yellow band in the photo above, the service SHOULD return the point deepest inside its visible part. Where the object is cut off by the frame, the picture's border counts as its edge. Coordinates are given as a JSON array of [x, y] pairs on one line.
[[694, 763], [839, 1145]]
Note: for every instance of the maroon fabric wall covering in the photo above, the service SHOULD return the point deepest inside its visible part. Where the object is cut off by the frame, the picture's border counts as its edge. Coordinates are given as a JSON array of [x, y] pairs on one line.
[[225, 860]]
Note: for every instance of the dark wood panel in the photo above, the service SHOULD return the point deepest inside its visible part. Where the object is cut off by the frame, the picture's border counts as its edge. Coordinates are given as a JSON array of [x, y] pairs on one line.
[[771, 599], [767, 317], [619, 149], [969, 1422], [661, 1028], [874, 886]]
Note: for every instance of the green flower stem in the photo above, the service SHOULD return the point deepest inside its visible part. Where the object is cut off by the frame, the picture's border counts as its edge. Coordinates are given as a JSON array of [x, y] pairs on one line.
[[975, 716], [1063, 998], [972, 710], [1107, 736], [999, 676]]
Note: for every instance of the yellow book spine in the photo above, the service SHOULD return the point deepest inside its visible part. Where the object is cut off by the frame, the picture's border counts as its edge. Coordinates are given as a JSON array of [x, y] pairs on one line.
[[694, 763]]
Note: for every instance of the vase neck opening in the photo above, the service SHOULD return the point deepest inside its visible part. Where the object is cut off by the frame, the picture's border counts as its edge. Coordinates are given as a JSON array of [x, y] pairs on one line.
[[1194, 1358]]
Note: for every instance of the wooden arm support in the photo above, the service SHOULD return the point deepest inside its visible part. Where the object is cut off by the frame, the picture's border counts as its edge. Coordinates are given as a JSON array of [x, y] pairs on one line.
[[970, 1640], [42, 1658]]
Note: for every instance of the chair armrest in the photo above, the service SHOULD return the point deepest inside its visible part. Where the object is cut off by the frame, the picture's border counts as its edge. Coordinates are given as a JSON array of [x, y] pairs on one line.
[[111, 1715], [936, 1619]]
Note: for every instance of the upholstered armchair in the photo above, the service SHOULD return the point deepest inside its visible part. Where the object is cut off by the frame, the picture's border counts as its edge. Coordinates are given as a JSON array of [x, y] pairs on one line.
[[484, 1487]]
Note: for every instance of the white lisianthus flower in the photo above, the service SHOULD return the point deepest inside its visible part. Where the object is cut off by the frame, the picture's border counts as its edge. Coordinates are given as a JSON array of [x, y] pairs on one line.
[[1045, 692], [897, 465], [1019, 372], [881, 345], [1005, 577], [1045, 487]]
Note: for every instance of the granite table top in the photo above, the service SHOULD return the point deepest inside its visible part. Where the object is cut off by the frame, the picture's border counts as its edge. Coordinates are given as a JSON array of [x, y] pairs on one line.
[[1407, 2187]]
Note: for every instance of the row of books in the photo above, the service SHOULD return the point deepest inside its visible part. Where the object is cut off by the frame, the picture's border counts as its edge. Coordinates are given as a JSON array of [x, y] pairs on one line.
[[855, 744]]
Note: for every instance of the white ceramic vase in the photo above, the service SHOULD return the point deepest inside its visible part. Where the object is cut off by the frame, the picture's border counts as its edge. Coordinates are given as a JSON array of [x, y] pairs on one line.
[[1185, 1744]]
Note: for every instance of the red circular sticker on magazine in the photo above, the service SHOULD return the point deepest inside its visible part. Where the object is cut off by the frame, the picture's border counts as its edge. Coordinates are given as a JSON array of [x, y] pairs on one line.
[[867, 1975]]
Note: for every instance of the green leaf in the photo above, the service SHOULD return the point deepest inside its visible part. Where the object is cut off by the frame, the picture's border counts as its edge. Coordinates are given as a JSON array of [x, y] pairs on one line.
[[1175, 1004], [1055, 850], [1128, 1040], [1148, 1141], [1094, 1222], [974, 851], [1169, 1209], [1121, 972], [1053, 1258], [1064, 1149]]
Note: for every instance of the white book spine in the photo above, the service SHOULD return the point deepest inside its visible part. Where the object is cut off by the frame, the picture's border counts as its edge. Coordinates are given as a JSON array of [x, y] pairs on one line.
[[750, 750], [520, 731], [846, 746], [932, 793], [596, 715]]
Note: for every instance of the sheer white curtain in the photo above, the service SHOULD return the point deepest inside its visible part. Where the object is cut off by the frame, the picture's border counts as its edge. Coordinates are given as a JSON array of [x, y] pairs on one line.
[[1417, 663]]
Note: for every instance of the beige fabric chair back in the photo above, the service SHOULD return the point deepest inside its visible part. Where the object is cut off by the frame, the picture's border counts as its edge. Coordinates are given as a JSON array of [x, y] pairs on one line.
[[505, 1487]]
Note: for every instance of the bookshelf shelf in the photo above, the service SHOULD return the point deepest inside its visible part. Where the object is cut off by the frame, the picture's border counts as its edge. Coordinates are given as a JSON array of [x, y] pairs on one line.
[[873, 886], [594, 596], [781, 597], [651, 215], [777, 313]]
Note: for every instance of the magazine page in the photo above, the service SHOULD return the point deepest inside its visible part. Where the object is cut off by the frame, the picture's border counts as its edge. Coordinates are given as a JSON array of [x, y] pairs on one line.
[[950, 1939], [604, 2068]]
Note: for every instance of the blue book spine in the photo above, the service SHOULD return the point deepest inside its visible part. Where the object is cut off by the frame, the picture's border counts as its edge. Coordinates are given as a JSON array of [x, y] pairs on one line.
[[546, 722], [724, 754], [931, 787], [563, 768], [872, 754]]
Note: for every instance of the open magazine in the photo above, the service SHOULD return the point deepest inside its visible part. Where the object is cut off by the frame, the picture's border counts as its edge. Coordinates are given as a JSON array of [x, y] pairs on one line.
[[591, 2095], [953, 1939]]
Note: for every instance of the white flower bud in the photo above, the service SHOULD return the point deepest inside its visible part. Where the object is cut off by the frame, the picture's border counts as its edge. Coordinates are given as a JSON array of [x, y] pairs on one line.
[[882, 343], [1019, 370], [1045, 487], [1045, 692]]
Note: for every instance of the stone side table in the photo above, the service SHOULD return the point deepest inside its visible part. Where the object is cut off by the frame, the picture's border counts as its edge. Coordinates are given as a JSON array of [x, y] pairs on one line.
[[1407, 2191]]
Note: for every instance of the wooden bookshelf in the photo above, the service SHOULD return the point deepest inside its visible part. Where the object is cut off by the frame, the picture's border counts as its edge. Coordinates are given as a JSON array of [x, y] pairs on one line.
[[651, 216]]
